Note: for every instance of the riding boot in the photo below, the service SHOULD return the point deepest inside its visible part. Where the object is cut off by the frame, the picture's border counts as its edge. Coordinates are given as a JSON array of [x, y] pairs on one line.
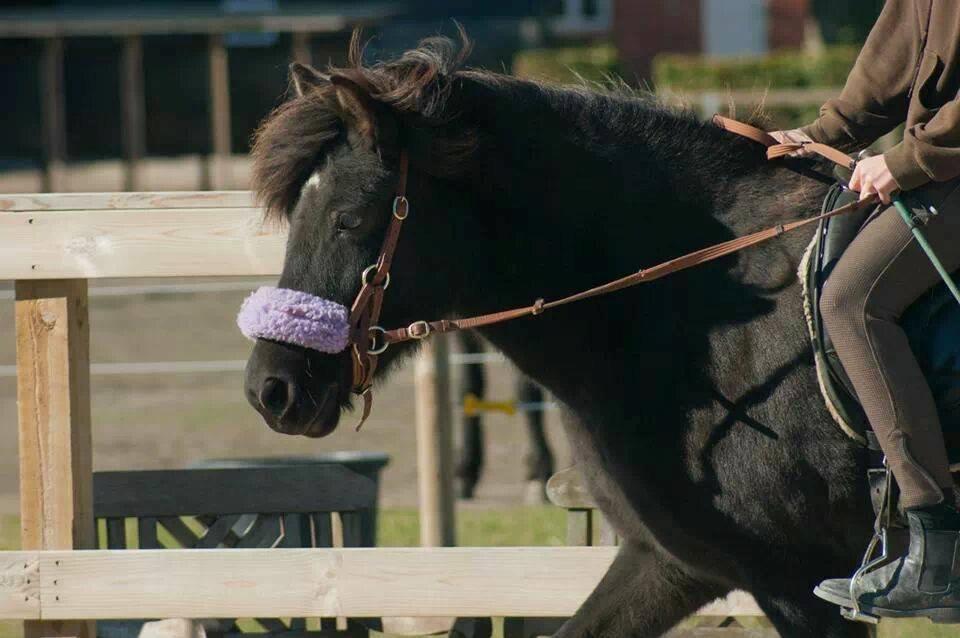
[[924, 583]]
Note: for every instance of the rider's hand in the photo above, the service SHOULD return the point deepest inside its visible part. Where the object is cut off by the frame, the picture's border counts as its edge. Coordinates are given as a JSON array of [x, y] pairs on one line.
[[871, 176], [793, 135]]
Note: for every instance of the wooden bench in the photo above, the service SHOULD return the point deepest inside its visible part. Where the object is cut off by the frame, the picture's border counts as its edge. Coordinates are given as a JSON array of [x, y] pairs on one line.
[[260, 507]]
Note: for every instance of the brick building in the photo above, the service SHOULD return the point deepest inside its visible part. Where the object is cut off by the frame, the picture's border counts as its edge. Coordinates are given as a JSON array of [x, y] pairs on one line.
[[644, 28]]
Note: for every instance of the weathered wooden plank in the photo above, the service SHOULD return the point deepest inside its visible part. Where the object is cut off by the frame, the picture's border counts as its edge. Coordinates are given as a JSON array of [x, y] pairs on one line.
[[421, 582], [30, 202], [53, 399], [19, 585], [319, 583], [138, 243], [336, 521], [53, 404], [261, 490]]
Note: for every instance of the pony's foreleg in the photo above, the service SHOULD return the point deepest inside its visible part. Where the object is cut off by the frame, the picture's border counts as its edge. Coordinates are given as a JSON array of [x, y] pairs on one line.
[[641, 596]]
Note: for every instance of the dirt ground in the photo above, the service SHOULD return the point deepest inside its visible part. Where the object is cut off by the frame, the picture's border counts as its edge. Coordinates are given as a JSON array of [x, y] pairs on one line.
[[172, 420]]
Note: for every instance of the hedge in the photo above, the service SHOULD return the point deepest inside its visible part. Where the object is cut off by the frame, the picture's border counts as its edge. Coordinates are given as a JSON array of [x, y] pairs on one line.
[[781, 70], [595, 63]]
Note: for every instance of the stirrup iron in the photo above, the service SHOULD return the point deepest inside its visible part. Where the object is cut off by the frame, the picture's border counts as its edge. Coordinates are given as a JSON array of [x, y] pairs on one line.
[[870, 561]]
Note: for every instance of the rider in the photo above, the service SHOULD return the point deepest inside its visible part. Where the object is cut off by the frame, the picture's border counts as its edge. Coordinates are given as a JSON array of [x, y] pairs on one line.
[[907, 72]]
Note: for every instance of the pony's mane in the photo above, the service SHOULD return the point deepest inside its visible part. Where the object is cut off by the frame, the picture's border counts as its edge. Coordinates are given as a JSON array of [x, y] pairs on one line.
[[295, 136], [293, 139]]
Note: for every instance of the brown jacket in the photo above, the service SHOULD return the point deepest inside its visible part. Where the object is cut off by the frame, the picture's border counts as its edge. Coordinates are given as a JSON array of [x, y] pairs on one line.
[[908, 71]]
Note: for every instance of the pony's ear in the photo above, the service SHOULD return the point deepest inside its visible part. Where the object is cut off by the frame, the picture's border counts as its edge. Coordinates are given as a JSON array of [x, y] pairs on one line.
[[304, 77], [357, 107]]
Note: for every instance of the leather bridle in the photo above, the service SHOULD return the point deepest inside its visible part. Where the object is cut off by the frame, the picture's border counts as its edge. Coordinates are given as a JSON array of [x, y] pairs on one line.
[[368, 339], [365, 311]]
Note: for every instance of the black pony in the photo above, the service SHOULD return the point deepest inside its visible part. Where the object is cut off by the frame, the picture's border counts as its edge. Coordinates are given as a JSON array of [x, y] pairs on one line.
[[691, 402]]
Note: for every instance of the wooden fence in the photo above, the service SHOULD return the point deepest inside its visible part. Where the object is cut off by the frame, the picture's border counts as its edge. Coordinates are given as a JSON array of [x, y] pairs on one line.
[[51, 29], [51, 245]]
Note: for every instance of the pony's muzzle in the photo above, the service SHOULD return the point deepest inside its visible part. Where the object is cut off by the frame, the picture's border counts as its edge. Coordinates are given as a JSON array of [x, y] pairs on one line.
[[295, 390]]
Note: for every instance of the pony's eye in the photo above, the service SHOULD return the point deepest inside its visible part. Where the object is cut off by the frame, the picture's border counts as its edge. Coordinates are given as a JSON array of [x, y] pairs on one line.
[[348, 221]]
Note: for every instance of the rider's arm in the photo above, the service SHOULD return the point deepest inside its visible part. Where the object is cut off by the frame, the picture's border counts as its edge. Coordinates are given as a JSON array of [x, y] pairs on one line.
[[929, 151], [874, 99]]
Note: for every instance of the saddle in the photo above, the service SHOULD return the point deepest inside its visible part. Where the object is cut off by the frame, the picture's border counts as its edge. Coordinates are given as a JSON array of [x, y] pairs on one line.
[[932, 325]]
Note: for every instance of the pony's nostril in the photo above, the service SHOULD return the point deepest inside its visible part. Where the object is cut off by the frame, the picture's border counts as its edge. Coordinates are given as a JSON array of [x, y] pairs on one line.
[[276, 396]]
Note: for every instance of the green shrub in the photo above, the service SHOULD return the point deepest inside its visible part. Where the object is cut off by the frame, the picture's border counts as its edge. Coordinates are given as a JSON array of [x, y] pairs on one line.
[[595, 63], [782, 70]]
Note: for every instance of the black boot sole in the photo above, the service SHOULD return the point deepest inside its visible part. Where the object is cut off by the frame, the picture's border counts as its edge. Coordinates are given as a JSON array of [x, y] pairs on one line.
[[938, 615]]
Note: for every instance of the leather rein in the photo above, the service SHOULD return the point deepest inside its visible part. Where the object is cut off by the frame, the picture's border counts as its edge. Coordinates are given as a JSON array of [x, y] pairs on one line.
[[368, 339]]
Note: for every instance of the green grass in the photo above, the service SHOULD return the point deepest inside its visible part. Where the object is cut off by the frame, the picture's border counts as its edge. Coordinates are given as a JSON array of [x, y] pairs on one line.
[[475, 527], [9, 533], [503, 527]]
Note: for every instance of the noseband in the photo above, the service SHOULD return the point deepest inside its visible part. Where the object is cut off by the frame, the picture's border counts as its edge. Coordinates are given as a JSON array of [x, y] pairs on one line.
[[269, 313]]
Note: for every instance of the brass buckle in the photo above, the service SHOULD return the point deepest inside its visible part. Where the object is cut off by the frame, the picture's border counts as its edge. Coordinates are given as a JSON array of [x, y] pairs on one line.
[[419, 330]]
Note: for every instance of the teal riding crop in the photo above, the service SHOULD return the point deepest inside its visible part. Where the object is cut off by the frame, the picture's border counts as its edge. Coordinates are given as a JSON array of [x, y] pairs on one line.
[[911, 221]]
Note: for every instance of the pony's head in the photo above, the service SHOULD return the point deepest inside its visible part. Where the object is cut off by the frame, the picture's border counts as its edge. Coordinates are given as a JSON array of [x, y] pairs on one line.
[[326, 164]]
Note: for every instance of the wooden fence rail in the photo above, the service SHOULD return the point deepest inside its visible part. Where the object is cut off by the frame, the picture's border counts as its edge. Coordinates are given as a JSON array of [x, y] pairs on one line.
[[81, 235], [500, 581]]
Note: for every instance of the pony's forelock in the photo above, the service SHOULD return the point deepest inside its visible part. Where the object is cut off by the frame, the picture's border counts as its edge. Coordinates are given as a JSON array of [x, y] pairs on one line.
[[291, 141]]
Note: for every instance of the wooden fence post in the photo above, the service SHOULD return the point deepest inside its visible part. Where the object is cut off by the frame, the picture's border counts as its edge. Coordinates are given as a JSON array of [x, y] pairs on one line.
[[134, 110], [53, 107], [300, 50], [434, 443], [219, 164], [53, 403]]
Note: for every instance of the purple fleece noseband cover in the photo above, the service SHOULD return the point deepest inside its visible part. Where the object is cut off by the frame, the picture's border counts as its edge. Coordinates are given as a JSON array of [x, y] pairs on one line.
[[291, 316]]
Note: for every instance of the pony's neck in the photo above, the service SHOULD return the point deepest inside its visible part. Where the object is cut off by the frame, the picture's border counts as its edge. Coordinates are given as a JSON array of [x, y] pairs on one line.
[[578, 189]]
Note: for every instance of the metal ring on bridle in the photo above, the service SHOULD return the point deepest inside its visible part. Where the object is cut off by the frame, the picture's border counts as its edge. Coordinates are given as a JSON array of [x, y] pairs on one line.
[[367, 271], [374, 348], [397, 201]]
